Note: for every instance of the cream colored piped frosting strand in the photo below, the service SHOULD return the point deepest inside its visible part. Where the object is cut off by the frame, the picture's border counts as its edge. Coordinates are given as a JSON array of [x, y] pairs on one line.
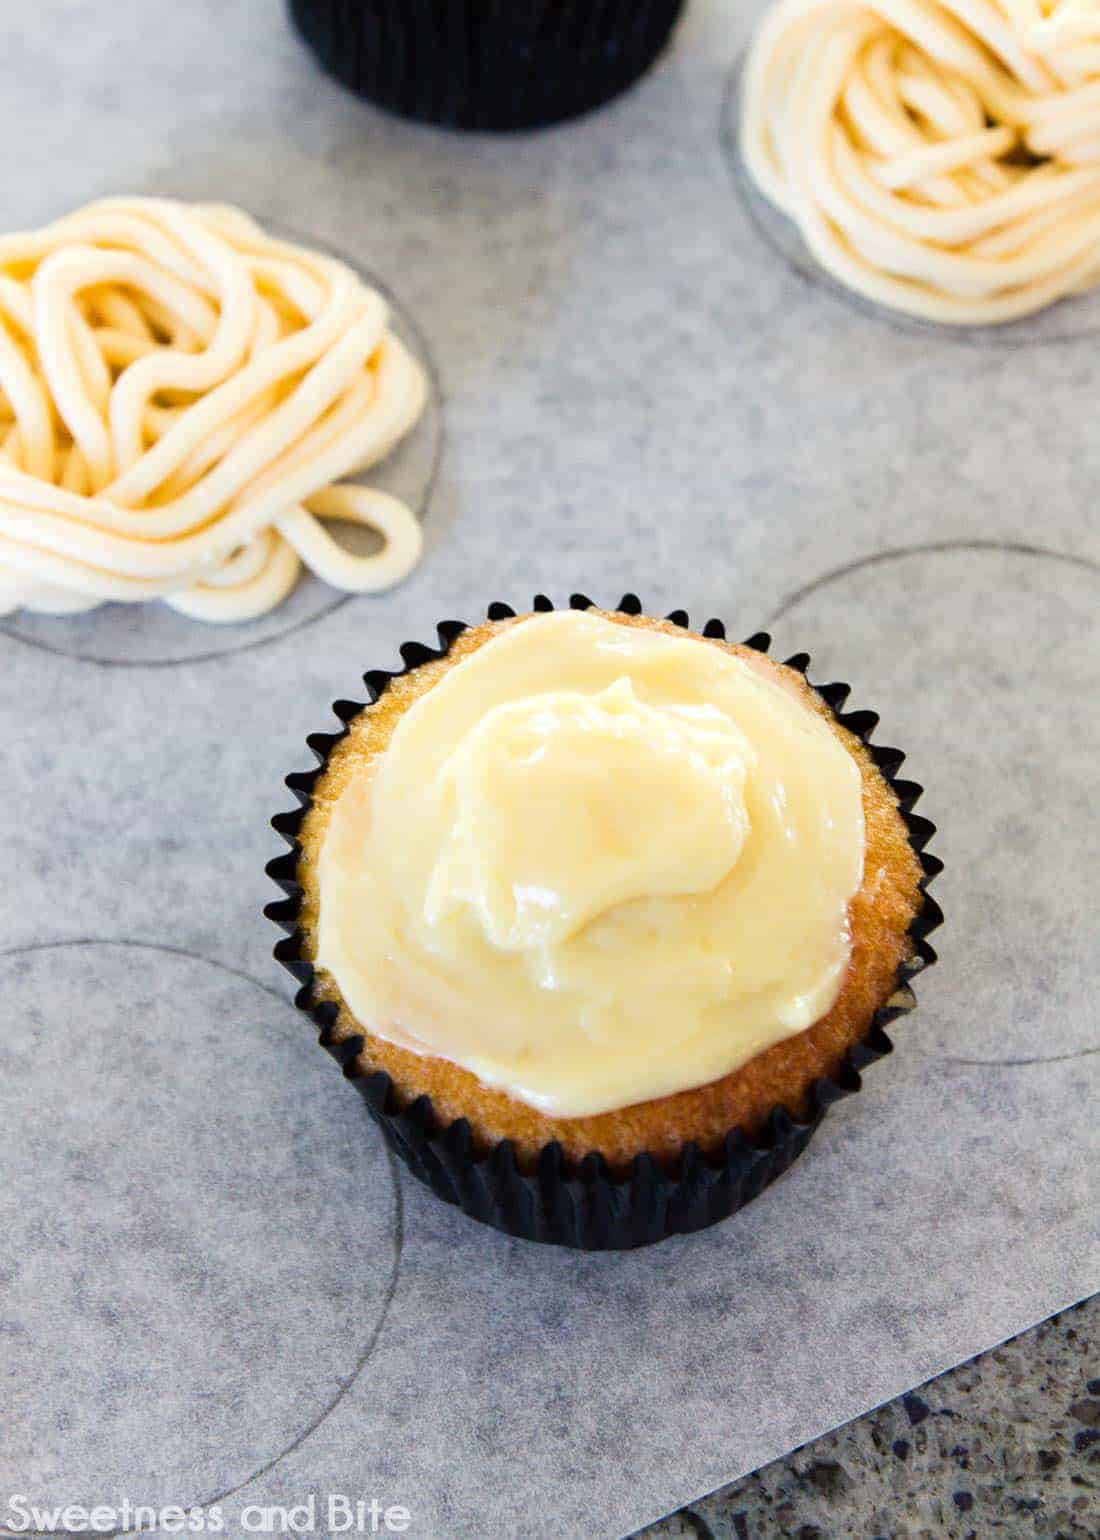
[[180, 394], [941, 157]]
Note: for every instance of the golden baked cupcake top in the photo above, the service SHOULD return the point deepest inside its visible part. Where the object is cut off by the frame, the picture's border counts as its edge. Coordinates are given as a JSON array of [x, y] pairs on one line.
[[586, 870]]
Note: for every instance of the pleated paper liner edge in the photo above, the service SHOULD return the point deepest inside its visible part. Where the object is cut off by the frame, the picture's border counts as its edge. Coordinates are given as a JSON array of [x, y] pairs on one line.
[[488, 65]]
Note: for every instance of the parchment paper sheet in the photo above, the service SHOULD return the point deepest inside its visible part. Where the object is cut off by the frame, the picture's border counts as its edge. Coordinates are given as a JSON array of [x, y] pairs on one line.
[[212, 1280]]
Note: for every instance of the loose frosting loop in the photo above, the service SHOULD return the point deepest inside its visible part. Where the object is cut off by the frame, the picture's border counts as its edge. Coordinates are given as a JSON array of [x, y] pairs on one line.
[[178, 393], [941, 157], [596, 864]]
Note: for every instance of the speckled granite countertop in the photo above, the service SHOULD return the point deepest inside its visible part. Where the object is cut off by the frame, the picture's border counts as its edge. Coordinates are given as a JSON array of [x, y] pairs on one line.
[[1006, 1444]]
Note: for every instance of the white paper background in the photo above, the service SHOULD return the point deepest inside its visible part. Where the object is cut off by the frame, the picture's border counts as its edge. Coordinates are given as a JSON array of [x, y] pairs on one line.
[[211, 1279]]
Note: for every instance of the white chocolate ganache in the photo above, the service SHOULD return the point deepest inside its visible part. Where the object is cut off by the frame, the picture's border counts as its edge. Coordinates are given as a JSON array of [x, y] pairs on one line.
[[941, 157], [596, 864], [180, 397]]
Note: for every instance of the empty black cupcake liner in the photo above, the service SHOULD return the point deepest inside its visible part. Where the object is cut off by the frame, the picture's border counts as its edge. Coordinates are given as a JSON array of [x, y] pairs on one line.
[[585, 1204], [486, 64]]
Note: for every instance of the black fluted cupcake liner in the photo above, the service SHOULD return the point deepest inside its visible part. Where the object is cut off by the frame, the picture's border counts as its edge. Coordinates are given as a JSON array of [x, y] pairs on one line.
[[486, 64], [585, 1204]]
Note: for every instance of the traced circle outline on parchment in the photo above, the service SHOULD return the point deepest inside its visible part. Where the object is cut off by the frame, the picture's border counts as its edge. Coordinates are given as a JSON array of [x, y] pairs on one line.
[[433, 421], [347, 1381], [766, 223], [792, 600]]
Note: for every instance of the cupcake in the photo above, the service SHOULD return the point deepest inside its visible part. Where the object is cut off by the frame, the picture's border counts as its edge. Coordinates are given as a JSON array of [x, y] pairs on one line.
[[600, 914], [483, 64]]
